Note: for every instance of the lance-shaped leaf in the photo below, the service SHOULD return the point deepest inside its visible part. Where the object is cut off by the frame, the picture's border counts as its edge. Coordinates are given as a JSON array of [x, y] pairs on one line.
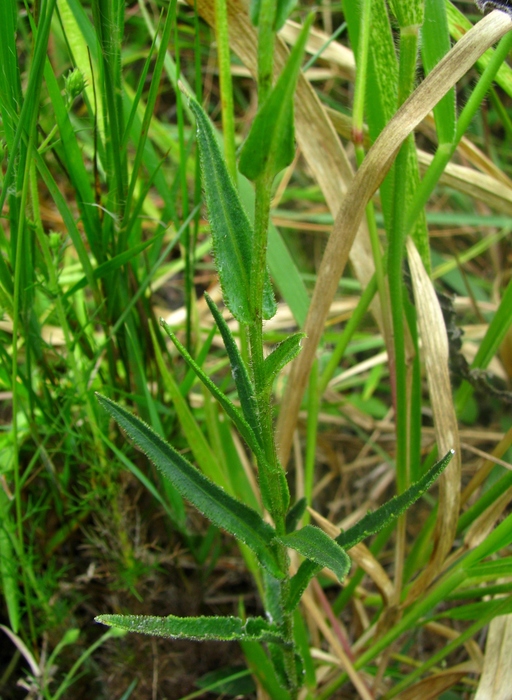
[[317, 546], [270, 146], [369, 525], [222, 629], [232, 232], [222, 509], [295, 514], [244, 386], [232, 411], [282, 354]]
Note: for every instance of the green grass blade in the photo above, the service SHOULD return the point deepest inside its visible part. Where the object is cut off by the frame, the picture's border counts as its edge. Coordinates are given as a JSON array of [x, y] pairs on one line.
[[435, 44], [203, 454], [151, 101], [9, 564]]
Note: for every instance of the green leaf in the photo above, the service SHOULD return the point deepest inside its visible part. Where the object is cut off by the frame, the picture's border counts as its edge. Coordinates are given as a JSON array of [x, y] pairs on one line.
[[270, 146], [9, 563], [369, 525], [244, 386], [232, 411], [282, 354], [223, 629], [383, 516], [316, 545], [283, 11], [238, 419], [295, 514], [232, 232], [203, 453], [435, 44], [223, 510]]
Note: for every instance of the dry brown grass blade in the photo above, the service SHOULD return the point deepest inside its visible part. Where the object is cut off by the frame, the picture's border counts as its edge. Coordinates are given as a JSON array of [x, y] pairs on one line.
[[486, 522], [496, 680], [335, 53], [368, 178], [490, 186], [431, 688], [336, 646], [486, 468], [435, 351]]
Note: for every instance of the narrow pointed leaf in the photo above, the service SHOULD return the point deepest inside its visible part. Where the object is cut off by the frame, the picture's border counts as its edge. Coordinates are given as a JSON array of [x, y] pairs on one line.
[[223, 510], [232, 411], [295, 514], [317, 546], [270, 146], [232, 232], [239, 371], [223, 629], [369, 525], [383, 516], [282, 354], [243, 426]]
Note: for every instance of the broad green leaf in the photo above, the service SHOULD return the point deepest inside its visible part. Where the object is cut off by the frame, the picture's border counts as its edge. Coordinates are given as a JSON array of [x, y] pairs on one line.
[[223, 510], [232, 232], [295, 514], [224, 629], [369, 525], [282, 354], [244, 386], [316, 545], [270, 146]]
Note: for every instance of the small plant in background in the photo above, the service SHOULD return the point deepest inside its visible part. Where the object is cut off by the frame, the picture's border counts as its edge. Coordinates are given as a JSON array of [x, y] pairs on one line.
[[240, 255]]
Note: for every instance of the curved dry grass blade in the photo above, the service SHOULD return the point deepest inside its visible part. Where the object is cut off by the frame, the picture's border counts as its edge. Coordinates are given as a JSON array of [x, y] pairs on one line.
[[434, 342], [368, 178], [496, 679], [481, 186], [487, 184], [432, 687]]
